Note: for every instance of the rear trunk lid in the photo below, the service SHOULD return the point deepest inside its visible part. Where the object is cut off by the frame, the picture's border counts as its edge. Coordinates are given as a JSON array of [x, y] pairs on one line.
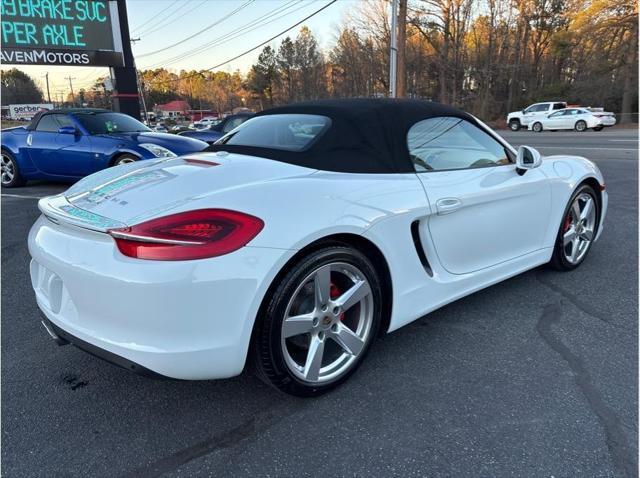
[[133, 193]]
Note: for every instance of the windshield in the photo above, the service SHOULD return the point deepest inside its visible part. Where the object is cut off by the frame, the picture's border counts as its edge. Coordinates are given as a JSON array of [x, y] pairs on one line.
[[292, 132], [107, 123]]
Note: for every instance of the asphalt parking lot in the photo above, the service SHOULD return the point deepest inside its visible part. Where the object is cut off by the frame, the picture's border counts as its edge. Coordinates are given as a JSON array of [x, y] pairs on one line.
[[536, 376]]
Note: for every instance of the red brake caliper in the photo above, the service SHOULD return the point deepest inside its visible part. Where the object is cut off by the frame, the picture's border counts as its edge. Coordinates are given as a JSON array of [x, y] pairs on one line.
[[335, 292], [567, 222]]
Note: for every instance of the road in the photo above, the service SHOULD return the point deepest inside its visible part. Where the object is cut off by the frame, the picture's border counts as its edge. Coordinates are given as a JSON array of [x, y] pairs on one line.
[[536, 376]]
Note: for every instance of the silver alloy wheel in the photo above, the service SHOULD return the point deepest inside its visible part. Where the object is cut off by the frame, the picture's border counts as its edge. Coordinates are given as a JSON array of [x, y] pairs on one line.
[[581, 126], [537, 127], [8, 170], [579, 228], [514, 125], [125, 160], [318, 311]]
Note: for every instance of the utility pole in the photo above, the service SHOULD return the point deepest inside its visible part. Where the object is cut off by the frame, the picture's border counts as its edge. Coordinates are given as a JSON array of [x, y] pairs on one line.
[[393, 53], [48, 94], [402, 40], [73, 97]]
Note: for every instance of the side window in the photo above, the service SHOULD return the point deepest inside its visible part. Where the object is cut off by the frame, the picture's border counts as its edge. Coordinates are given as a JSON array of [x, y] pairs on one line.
[[63, 120], [556, 114], [232, 124], [48, 124], [558, 106], [440, 144], [542, 107]]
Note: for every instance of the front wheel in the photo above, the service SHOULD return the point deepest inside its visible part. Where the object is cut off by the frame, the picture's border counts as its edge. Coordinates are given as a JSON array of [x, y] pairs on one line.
[[581, 126], [537, 127], [514, 125], [319, 323], [577, 231], [10, 174]]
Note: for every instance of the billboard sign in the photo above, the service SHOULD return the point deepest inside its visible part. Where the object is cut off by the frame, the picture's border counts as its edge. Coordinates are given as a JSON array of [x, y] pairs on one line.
[[27, 111], [61, 32]]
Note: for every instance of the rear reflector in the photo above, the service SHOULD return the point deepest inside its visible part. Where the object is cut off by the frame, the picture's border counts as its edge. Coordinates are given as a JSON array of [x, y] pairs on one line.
[[602, 187], [188, 235]]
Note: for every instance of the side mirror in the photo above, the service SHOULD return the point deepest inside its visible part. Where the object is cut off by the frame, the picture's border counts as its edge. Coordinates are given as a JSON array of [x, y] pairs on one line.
[[527, 158], [68, 130]]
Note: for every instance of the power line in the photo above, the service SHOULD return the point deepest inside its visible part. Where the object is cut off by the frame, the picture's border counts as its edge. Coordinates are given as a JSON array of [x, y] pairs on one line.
[[149, 32], [248, 2], [171, 14], [156, 15], [255, 47], [242, 30]]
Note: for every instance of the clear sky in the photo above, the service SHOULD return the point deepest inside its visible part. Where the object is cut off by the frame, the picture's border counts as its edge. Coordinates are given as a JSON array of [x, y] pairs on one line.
[[230, 27]]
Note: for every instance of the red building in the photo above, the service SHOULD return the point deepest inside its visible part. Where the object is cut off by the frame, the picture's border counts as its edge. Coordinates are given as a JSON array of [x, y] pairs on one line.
[[173, 109]]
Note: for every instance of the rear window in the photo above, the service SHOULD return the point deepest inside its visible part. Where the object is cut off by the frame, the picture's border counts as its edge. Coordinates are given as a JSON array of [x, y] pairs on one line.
[[290, 132]]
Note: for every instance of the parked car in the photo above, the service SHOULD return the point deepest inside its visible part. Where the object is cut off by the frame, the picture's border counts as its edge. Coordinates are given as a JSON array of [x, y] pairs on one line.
[[65, 145], [214, 132], [178, 128], [205, 122], [579, 119], [160, 128], [521, 119], [310, 229]]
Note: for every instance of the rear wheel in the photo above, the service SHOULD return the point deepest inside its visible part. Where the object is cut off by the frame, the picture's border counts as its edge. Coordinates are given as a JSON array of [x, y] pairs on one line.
[[581, 126], [319, 323], [10, 175], [577, 231], [125, 159], [514, 125], [537, 127]]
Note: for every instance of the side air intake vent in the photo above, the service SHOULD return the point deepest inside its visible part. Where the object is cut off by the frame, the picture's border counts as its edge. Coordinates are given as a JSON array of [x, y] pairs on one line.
[[415, 234]]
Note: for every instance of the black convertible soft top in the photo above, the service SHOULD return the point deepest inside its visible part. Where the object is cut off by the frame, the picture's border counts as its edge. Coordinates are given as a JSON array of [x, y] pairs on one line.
[[366, 135], [63, 111]]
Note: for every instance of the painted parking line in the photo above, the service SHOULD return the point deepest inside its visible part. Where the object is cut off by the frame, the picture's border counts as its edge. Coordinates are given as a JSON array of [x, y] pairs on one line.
[[21, 196], [624, 140]]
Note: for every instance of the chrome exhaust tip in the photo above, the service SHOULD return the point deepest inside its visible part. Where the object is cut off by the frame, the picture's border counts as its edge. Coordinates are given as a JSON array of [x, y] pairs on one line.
[[59, 340]]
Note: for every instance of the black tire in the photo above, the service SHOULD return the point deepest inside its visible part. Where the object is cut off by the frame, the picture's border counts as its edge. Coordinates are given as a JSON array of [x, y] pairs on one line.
[[598, 128], [124, 159], [514, 125], [11, 177], [581, 126], [267, 345], [558, 259], [537, 127]]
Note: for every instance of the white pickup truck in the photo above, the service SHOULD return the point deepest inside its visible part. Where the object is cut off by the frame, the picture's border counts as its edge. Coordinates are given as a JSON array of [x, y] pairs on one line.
[[522, 119]]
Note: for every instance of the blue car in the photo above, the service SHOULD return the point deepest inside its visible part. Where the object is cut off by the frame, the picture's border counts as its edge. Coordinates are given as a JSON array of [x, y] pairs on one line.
[[65, 145], [214, 132]]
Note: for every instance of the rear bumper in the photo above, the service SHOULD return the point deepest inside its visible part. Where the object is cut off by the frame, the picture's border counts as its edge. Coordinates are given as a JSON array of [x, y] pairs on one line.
[[62, 337], [183, 319]]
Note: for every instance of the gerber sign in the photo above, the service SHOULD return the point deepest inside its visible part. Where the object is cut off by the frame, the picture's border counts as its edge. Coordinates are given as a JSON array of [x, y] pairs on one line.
[[61, 32]]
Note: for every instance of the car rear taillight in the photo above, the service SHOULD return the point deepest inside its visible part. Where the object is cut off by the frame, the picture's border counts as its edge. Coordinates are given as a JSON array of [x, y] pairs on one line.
[[188, 235]]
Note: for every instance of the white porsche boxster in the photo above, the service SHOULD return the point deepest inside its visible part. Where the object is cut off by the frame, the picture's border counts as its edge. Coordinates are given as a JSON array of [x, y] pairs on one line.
[[301, 236]]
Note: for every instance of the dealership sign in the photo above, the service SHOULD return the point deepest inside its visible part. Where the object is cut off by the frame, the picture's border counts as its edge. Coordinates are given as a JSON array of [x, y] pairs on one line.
[[27, 111], [61, 32]]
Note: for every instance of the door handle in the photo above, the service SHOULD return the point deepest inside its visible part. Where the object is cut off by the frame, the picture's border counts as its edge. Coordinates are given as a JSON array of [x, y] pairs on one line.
[[448, 205]]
